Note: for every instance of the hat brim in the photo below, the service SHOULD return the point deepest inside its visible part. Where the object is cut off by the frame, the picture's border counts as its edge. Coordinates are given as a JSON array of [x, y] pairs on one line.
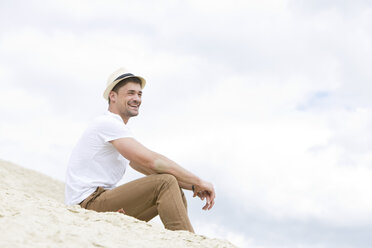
[[112, 85]]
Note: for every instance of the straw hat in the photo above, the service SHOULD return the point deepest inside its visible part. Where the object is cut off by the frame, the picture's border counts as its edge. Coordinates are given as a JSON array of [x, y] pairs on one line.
[[118, 76]]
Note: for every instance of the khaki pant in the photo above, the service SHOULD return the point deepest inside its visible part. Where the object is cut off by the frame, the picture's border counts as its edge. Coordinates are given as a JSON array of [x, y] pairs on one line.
[[145, 198]]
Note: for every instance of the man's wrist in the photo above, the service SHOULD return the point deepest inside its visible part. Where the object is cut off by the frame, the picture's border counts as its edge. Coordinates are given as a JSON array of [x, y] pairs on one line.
[[197, 184]]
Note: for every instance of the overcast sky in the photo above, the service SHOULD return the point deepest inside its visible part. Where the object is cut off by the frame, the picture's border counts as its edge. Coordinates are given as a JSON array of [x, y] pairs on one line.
[[269, 100]]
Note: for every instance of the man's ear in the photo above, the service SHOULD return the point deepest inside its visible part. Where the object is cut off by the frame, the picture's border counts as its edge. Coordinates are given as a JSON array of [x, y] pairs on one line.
[[112, 96]]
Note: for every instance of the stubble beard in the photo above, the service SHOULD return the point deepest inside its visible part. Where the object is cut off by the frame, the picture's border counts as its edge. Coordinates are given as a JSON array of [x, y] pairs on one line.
[[130, 112]]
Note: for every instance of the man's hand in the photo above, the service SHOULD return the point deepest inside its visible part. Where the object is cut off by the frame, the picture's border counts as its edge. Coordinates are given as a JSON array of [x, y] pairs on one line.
[[205, 191]]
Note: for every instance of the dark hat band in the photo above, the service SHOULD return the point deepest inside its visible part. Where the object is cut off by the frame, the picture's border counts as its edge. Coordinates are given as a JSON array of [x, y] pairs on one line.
[[124, 75]]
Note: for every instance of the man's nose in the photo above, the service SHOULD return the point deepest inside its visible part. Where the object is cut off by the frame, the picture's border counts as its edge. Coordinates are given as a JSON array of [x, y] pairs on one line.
[[137, 98]]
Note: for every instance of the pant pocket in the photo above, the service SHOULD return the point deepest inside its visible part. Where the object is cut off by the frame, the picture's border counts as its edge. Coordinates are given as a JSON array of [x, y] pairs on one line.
[[85, 204]]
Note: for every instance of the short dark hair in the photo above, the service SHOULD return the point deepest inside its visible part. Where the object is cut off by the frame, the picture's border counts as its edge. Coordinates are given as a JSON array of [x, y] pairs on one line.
[[124, 82]]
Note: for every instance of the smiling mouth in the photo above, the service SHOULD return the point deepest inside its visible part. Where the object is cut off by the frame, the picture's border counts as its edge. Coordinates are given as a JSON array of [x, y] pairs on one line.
[[133, 106]]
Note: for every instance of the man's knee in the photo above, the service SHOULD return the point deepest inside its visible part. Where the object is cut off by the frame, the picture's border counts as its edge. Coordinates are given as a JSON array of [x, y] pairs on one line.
[[168, 178]]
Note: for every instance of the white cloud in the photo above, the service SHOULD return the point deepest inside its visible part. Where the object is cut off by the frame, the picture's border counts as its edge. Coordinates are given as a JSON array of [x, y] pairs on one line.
[[270, 100]]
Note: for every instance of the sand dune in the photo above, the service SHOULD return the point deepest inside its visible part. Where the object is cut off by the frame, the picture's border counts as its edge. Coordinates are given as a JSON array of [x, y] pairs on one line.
[[32, 214]]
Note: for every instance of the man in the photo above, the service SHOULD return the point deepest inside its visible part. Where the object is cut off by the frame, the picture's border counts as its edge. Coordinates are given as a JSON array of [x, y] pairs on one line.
[[99, 160]]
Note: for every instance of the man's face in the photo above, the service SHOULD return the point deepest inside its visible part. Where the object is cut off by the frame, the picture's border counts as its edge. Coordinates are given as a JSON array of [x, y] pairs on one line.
[[128, 100]]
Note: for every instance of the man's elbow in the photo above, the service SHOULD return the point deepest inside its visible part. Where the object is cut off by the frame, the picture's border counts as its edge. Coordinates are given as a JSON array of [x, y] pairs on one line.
[[155, 162], [159, 166]]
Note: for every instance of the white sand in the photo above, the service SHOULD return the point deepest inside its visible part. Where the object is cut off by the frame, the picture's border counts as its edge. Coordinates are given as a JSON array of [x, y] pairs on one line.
[[32, 214]]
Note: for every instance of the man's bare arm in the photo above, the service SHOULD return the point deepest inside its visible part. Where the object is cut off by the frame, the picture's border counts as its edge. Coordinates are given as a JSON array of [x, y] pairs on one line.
[[141, 169], [147, 172], [148, 161]]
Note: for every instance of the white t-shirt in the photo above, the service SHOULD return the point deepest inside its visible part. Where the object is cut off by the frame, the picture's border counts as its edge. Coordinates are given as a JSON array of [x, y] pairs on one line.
[[94, 161]]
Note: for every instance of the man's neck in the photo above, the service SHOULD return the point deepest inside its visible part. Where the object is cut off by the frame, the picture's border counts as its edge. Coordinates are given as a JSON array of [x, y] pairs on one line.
[[114, 111]]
